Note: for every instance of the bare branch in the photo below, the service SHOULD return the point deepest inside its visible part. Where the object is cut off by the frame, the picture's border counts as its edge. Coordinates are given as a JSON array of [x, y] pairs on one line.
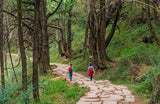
[[29, 3], [52, 13], [9, 13]]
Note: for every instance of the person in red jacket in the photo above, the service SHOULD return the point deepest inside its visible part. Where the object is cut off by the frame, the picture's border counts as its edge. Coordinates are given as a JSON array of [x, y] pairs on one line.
[[91, 71]]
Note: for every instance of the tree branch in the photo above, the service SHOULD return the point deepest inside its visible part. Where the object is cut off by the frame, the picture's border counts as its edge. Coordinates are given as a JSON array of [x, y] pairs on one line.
[[56, 27], [50, 14], [9, 13], [29, 3]]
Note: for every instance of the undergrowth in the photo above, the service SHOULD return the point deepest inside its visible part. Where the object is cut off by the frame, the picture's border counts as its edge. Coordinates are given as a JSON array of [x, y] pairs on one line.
[[59, 91]]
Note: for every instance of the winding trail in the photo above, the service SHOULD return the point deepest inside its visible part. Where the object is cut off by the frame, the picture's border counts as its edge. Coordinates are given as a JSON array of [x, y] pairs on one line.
[[101, 92]]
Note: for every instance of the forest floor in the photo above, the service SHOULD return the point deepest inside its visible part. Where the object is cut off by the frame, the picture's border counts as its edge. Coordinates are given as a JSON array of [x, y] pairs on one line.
[[101, 92]]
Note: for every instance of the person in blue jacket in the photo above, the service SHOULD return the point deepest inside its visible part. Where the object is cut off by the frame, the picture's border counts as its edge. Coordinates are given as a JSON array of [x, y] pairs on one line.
[[70, 69]]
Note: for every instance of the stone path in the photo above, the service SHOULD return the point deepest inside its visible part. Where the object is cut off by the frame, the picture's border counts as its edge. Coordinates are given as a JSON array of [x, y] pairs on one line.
[[101, 92]]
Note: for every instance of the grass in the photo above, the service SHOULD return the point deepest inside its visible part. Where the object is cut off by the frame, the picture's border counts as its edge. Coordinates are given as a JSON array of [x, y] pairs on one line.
[[59, 91]]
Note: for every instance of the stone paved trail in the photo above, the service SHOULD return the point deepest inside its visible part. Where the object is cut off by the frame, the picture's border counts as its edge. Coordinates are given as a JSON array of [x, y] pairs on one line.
[[101, 92]]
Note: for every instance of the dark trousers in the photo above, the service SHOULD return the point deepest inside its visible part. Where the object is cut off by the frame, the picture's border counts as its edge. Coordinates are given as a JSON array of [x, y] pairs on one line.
[[90, 77]]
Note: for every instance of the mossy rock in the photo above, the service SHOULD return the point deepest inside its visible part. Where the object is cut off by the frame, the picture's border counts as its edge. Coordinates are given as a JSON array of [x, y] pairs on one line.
[[138, 73]]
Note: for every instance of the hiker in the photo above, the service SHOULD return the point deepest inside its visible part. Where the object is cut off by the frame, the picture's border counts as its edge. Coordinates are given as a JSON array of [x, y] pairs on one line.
[[70, 69], [91, 71]]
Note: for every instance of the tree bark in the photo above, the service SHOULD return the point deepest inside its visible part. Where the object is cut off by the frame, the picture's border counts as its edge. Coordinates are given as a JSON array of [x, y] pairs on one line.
[[85, 40], [5, 59], [36, 38], [153, 34], [92, 36], [44, 48], [69, 33], [155, 98], [155, 5], [22, 48], [59, 41], [101, 50], [97, 25], [63, 37], [1, 47]]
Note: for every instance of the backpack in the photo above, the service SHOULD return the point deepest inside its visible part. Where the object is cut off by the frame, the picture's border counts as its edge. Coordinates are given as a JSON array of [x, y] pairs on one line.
[[70, 69]]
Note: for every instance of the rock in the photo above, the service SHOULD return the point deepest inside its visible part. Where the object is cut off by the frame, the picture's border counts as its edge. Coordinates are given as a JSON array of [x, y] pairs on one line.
[[138, 73], [156, 91], [133, 71]]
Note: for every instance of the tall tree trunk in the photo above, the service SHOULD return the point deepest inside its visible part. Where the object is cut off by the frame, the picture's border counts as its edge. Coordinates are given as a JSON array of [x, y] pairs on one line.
[[85, 41], [36, 38], [63, 37], [44, 48], [155, 5], [5, 59], [86, 36], [101, 50], [22, 48], [153, 34], [92, 36], [97, 25], [59, 41], [69, 33], [1, 46]]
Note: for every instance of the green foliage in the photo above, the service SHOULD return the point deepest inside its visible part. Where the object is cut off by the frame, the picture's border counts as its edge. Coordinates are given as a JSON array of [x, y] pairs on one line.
[[59, 92], [13, 94]]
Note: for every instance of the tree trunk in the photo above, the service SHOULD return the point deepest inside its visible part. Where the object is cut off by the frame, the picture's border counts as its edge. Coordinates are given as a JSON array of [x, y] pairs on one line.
[[6, 62], [153, 34], [155, 5], [1, 47], [22, 48], [44, 48], [92, 36], [63, 37], [155, 99], [69, 34], [97, 25], [59, 41], [86, 38], [101, 50], [36, 38]]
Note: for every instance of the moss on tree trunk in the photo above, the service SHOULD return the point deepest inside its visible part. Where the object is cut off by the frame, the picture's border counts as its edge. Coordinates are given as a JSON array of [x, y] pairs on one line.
[[156, 92]]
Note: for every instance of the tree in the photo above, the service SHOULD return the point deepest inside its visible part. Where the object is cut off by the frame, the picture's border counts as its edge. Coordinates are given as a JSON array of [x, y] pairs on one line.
[[21, 46], [98, 22], [36, 38], [44, 40], [149, 24], [1, 46], [69, 45]]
